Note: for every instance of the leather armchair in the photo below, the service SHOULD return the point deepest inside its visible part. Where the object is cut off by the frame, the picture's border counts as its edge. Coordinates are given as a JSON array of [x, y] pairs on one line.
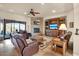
[[21, 45], [31, 49], [66, 36]]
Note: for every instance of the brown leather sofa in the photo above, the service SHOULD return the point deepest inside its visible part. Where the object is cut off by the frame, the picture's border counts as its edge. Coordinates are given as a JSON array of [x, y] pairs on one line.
[[22, 47]]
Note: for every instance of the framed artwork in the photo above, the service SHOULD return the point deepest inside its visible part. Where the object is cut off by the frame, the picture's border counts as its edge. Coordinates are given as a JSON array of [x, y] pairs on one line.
[[77, 31], [71, 24]]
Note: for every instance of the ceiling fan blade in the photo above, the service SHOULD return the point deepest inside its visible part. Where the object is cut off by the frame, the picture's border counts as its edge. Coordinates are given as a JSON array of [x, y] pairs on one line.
[[33, 14], [36, 12]]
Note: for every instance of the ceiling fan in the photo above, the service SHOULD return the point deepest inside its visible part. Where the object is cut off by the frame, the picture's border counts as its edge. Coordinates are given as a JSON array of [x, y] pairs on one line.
[[32, 12]]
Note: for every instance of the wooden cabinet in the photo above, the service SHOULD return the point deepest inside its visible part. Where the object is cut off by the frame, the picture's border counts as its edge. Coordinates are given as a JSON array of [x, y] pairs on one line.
[[56, 21]]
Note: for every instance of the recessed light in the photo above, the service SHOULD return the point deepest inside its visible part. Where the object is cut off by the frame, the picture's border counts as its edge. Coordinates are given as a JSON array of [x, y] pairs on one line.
[[25, 13], [53, 11], [42, 3]]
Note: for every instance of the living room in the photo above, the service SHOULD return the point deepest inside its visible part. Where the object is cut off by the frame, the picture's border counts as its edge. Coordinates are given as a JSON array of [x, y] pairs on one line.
[[35, 25]]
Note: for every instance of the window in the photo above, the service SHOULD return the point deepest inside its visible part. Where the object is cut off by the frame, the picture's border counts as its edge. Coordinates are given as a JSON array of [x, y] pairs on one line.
[[22, 26]]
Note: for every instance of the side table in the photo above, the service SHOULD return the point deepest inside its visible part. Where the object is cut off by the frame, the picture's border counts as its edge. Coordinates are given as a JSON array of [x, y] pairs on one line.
[[57, 42]]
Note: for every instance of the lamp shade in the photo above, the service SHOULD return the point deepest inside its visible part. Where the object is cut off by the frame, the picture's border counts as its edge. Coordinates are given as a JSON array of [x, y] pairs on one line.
[[62, 27]]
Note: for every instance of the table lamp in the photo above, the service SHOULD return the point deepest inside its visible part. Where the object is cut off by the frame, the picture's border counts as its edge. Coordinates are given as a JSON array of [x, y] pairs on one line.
[[62, 28]]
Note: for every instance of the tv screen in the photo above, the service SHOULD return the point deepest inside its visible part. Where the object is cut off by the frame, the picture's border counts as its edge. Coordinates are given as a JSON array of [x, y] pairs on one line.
[[53, 26]]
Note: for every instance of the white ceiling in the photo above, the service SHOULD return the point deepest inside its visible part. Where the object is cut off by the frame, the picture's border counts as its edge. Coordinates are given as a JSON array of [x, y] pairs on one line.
[[45, 10]]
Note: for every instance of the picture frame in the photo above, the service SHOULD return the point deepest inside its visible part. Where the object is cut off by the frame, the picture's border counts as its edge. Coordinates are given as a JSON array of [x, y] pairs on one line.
[[71, 24], [77, 31]]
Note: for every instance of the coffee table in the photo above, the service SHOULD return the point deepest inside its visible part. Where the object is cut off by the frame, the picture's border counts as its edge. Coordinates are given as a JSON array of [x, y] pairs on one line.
[[46, 42]]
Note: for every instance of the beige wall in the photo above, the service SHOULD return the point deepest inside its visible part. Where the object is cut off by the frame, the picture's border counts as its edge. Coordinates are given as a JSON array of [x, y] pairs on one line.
[[70, 18], [76, 25]]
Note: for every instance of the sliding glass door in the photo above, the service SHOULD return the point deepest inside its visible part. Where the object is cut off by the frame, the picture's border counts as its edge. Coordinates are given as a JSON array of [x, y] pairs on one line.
[[18, 27], [1, 29], [10, 26], [8, 30], [22, 27], [13, 28]]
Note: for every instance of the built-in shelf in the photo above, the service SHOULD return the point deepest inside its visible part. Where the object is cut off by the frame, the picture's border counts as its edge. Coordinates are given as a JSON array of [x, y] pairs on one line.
[[58, 21]]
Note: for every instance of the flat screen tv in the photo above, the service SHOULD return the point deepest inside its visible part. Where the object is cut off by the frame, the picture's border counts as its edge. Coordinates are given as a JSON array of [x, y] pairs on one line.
[[53, 26]]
